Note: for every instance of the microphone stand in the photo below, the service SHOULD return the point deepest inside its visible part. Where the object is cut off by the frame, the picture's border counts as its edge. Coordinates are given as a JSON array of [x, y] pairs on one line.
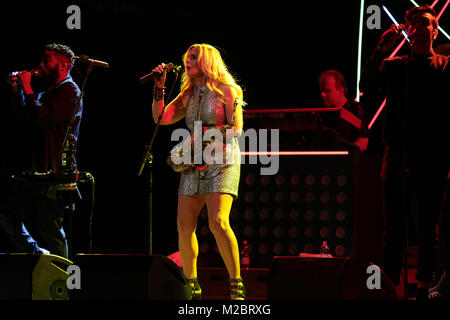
[[75, 111], [148, 159], [67, 139]]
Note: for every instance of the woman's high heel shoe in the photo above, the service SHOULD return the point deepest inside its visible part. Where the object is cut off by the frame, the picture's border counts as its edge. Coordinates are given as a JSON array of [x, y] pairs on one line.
[[237, 289], [196, 289]]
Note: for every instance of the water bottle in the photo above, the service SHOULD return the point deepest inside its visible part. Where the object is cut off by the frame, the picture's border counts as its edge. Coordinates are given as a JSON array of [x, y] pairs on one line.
[[324, 250], [245, 257]]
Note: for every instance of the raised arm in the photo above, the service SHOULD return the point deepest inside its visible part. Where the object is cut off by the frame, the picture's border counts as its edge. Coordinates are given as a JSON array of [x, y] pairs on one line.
[[175, 110], [372, 79]]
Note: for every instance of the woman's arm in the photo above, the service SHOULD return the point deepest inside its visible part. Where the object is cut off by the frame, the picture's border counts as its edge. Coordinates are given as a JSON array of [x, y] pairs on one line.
[[232, 106], [176, 109]]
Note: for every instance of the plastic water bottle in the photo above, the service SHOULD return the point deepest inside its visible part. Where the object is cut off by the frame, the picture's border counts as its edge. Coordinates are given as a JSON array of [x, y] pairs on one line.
[[245, 257], [324, 250]]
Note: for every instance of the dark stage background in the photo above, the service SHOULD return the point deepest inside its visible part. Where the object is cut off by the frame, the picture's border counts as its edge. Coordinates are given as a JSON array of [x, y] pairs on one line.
[[275, 49]]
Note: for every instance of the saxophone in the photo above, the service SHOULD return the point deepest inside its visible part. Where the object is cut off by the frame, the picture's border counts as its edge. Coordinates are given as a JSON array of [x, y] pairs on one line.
[[178, 152]]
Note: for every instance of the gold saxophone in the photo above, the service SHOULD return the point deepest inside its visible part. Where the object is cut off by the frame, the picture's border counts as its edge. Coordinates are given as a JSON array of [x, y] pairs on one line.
[[178, 151]]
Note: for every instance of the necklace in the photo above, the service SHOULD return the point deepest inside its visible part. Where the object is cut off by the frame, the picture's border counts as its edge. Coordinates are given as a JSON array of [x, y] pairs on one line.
[[200, 100]]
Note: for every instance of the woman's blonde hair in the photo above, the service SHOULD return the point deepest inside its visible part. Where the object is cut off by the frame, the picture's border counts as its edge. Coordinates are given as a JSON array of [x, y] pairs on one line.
[[216, 72]]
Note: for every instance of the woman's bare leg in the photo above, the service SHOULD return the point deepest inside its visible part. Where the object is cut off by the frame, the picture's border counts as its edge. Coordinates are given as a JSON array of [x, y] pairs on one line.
[[189, 208], [219, 206]]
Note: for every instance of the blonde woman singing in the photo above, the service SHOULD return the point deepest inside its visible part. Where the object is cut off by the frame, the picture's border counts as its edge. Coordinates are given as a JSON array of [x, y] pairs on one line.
[[209, 94]]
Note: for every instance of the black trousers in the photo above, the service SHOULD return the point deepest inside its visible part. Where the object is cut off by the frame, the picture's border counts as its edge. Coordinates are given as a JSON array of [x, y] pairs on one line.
[[43, 214], [418, 184]]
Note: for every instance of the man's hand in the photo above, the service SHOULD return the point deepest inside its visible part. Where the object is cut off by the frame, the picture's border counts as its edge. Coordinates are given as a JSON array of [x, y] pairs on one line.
[[390, 37], [362, 143], [24, 80]]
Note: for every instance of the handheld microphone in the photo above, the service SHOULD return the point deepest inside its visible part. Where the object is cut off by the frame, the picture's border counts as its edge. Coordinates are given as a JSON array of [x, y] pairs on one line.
[[168, 67], [93, 62], [34, 73]]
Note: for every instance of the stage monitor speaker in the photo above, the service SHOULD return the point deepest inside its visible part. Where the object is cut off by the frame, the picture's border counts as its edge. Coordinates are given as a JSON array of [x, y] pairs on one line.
[[33, 277], [130, 277], [301, 278]]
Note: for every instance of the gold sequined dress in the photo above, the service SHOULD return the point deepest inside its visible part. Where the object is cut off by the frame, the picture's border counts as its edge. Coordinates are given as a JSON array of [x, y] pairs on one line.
[[204, 106]]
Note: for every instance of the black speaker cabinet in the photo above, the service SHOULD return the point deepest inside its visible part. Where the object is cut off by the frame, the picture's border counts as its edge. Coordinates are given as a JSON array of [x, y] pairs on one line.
[[345, 278], [135, 277], [311, 199], [33, 277]]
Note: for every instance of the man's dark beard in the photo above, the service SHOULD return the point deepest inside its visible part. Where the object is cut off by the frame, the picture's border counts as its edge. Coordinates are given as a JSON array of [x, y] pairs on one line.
[[49, 79]]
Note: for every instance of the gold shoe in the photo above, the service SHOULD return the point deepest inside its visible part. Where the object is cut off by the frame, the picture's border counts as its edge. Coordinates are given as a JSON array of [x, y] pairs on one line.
[[237, 289]]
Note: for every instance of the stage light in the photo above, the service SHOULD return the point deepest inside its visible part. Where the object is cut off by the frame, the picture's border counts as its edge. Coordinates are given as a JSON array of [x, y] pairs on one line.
[[341, 197], [278, 232], [234, 214], [375, 117], [340, 250], [442, 31], [442, 10], [263, 231], [264, 214], [309, 215], [250, 180], [341, 215], [341, 180], [325, 215], [249, 214], [293, 249], [340, 233], [278, 214], [325, 180], [325, 197], [294, 197], [280, 197], [249, 197], [309, 197], [324, 232], [204, 230], [280, 180], [263, 249], [204, 214], [294, 215], [295, 180], [293, 232], [310, 180], [293, 211], [266, 180], [265, 197], [360, 38], [294, 153], [278, 249], [308, 232], [308, 248], [394, 21], [249, 231], [204, 247]]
